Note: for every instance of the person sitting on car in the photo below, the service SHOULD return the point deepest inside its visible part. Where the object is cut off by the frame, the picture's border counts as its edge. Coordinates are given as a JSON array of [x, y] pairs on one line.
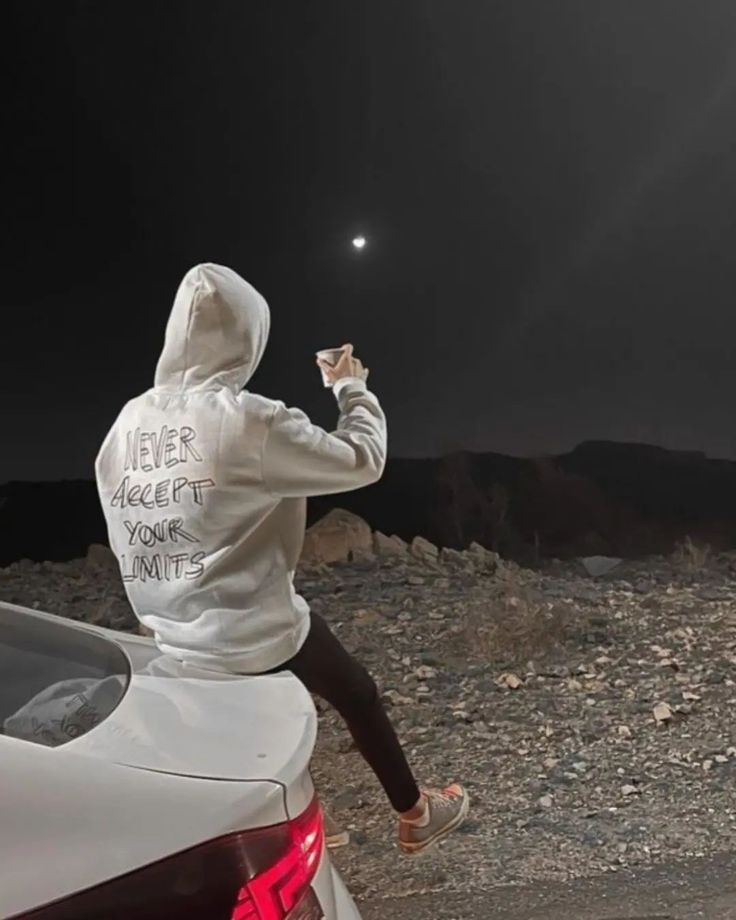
[[204, 485]]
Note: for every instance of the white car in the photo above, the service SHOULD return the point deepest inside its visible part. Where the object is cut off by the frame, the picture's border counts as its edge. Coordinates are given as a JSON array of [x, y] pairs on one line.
[[135, 788]]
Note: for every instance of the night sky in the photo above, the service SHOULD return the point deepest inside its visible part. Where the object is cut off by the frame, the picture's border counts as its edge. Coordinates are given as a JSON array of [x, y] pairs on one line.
[[547, 187]]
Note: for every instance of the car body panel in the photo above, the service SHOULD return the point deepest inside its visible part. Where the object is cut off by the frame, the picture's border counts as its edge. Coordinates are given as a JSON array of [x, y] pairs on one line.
[[187, 756], [70, 821], [262, 727], [333, 896]]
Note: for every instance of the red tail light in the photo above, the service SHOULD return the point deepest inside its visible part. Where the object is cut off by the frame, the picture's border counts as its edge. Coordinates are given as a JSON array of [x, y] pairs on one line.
[[279, 889], [265, 874]]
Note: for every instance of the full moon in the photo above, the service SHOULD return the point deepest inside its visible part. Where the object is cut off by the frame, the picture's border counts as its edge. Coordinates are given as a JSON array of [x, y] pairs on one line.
[[359, 242]]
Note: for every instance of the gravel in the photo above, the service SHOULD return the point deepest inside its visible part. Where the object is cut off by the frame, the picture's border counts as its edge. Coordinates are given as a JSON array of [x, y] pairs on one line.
[[591, 719]]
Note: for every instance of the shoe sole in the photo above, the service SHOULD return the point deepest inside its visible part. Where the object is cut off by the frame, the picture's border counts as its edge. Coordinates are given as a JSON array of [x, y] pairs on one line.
[[414, 849]]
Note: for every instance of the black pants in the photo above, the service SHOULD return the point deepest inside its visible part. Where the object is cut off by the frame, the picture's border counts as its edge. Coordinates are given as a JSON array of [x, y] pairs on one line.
[[327, 670]]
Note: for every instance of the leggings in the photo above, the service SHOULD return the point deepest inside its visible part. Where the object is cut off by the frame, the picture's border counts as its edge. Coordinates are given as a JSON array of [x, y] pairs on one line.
[[327, 670]]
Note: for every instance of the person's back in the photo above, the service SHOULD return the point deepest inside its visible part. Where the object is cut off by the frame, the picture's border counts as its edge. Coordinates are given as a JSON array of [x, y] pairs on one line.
[[203, 484]]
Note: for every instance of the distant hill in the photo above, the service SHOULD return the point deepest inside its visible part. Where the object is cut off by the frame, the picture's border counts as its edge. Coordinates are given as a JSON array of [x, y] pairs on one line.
[[626, 499]]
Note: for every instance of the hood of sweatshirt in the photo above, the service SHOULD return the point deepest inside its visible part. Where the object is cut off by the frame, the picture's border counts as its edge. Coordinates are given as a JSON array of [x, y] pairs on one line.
[[217, 331]]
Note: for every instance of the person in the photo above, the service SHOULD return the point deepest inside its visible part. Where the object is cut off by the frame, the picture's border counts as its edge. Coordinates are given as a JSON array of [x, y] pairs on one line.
[[204, 485]]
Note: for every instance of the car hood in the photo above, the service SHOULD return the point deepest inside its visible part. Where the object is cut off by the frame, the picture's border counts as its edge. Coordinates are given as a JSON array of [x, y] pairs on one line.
[[181, 720]]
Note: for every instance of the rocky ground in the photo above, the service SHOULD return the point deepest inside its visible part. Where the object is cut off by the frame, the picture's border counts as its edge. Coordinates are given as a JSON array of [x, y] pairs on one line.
[[592, 719]]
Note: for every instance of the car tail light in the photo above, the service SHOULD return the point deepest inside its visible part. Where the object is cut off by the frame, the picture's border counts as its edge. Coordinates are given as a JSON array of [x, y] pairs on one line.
[[276, 891], [264, 874]]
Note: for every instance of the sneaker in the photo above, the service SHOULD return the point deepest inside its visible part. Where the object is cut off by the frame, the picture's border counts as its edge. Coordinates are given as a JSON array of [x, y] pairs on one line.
[[335, 836], [446, 810]]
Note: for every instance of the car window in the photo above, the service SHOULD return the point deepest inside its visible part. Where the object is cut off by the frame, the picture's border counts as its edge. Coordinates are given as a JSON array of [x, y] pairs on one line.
[[56, 682]]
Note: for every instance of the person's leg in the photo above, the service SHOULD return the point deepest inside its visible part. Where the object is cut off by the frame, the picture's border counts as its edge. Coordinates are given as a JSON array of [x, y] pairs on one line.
[[327, 670]]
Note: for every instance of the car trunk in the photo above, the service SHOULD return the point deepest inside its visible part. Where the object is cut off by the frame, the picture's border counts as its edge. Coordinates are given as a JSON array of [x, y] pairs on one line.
[[110, 695], [177, 719]]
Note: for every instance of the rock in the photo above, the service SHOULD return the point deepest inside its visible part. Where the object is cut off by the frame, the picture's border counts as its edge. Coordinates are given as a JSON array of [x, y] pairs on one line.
[[483, 558], [101, 558], [462, 715], [389, 546], [510, 681], [337, 537], [363, 560], [425, 672], [545, 801], [397, 699], [346, 800], [662, 713], [629, 790], [475, 549], [367, 617], [453, 558], [424, 550], [596, 566]]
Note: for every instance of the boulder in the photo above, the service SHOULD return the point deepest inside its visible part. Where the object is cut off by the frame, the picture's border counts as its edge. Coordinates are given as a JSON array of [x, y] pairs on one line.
[[424, 550], [453, 558], [597, 566], [101, 558], [338, 537], [483, 558], [388, 546], [27, 566]]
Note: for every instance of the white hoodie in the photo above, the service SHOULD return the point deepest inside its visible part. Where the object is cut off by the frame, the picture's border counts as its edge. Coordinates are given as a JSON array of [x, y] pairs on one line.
[[204, 484]]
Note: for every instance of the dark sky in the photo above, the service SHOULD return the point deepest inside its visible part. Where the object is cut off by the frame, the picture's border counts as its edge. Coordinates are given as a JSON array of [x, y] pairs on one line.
[[547, 186]]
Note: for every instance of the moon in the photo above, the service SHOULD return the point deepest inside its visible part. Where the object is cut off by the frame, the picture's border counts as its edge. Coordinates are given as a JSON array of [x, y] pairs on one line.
[[359, 242]]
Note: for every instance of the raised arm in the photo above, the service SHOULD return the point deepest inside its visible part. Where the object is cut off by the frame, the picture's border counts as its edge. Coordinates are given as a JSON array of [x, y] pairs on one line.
[[301, 459]]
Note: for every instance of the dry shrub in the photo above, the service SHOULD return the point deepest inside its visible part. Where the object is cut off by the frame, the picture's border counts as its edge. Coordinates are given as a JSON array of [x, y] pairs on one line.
[[514, 623], [557, 509], [690, 557], [467, 512]]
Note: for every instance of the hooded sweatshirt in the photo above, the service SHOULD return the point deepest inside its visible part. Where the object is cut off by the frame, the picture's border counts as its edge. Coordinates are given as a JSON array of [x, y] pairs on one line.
[[204, 484]]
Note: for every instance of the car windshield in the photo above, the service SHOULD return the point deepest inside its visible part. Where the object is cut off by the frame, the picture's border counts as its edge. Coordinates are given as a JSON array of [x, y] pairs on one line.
[[57, 681]]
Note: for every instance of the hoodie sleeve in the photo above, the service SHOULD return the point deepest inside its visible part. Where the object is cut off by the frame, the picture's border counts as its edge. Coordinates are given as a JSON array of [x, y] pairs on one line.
[[302, 460]]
